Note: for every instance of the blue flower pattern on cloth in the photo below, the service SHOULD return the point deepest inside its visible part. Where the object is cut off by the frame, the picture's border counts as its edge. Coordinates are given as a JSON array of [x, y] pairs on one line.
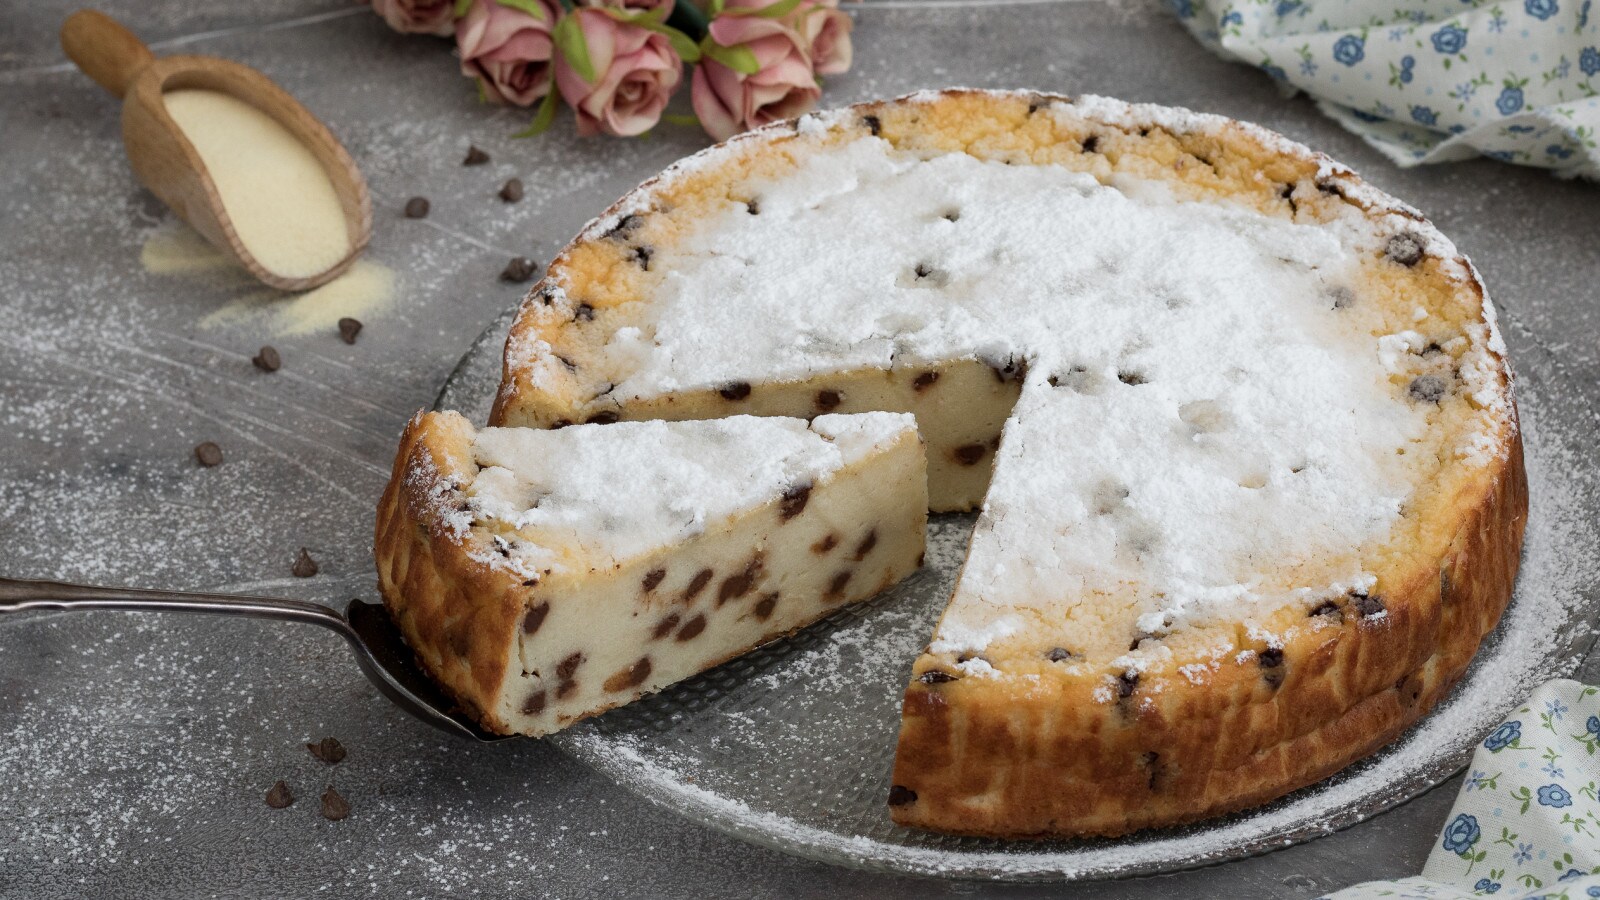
[[1430, 80], [1518, 831]]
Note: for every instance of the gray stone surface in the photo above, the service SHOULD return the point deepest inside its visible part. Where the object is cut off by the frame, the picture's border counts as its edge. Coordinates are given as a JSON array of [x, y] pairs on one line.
[[135, 750]]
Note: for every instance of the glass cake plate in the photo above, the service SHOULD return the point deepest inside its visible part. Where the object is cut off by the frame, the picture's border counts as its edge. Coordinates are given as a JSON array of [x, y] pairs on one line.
[[791, 745]]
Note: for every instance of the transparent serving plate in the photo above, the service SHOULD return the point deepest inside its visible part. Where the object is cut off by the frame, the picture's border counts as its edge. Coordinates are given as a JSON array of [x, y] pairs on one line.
[[791, 745]]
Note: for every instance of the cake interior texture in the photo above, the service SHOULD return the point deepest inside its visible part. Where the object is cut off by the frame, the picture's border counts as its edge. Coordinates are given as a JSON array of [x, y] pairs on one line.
[[1239, 426], [571, 571]]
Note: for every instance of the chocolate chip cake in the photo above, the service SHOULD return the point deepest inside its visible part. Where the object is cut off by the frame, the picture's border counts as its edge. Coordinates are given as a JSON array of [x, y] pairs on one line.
[[1239, 424], [546, 576]]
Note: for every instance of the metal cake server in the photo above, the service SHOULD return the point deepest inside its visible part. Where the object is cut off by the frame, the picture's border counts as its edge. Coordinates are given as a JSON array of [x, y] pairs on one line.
[[383, 656]]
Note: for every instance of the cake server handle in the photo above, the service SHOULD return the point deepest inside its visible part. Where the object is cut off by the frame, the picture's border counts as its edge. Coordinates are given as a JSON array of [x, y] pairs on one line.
[[366, 627]]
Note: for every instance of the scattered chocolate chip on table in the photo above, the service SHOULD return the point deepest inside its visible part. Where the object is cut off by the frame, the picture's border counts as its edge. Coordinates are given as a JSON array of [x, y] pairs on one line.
[[304, 566], [208, 454], [279, 796], [267, 360], [348, 329], [417, 208]]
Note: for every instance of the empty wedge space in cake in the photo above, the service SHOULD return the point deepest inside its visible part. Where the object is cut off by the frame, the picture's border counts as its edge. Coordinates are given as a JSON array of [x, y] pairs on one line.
[[1240, 427], [546, 576]]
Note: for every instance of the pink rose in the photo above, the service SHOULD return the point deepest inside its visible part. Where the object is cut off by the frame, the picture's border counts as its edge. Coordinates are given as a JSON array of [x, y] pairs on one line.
[[417, 16], [507, 50], [783, 86], [633, 5], [827, 32], [635, 72]]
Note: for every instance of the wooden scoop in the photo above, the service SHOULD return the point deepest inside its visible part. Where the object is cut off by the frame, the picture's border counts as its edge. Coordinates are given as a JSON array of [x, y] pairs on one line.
[[169, 165]]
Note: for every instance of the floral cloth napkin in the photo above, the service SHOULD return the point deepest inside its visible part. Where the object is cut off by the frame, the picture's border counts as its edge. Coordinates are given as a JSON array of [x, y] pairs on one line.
[[1527, 823], [1430, 80]]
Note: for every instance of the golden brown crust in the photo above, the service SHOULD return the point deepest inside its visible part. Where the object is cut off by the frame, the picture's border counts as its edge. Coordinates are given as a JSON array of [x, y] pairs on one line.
[[457, 614], [989, 758]]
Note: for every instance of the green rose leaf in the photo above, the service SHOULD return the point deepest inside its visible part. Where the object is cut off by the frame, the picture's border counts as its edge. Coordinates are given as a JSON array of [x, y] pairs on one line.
[[531, 7], [568, 36], [772, 11], [545, 115], [740, 59]]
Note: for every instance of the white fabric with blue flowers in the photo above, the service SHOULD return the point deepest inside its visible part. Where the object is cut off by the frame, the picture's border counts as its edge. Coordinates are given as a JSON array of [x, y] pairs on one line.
[[1527, 823], [1434, 81]]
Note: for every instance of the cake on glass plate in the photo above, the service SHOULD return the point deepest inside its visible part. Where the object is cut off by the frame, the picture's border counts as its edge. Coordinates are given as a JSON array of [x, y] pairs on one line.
[[1239, 427], [546, 576]]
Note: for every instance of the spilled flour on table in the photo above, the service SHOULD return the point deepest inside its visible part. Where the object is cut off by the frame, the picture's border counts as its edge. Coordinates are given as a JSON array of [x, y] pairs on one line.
[[366, 291]]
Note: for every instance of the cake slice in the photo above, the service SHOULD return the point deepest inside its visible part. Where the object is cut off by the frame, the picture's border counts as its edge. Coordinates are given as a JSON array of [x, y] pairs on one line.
[[546, 576]]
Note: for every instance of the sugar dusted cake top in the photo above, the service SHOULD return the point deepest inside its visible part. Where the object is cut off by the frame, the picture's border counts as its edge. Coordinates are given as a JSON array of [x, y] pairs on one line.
[[1225, 405], [590, 496]]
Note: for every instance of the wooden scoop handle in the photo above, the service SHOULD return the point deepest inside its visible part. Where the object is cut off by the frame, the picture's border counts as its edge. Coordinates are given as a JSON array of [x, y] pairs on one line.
[[104, 50]]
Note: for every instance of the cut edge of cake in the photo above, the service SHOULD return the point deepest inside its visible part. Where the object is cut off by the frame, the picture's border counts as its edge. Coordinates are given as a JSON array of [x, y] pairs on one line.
[[531, 652]]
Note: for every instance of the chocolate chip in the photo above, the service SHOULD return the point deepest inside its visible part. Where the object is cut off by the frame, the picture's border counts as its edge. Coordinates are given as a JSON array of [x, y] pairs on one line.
[[278, 797], [625, 226], [417, 208], [1091, 144], [1327, 608], [534, 705], [828, 400], [535, 618], [664, 627], [652, 579], [1366, 606], [304, 566], [900, 795], [924, 380], [511, 191], [837, 585], [923, 270], [475, 157], [735, 390], [641, 255], [866, 545], [736, 586], [1129, 377], [607, 417], [697, 584], [952, 215], [568, 667], [969, 454], [559, 424], [1270, 658], [267, 360], [1151, 762], [794, 501], [753, 207], [936, 676], [874, 125], [584, 313], [1058, 654], [1428, 388], [565, 688], [208, 454], [329, 750], [334, 807], [827, 543], [1404, 248], [764, 606], [348, 329], [629, 678], [518, 270], [1126, 683], [692, 628], [1013, 369]]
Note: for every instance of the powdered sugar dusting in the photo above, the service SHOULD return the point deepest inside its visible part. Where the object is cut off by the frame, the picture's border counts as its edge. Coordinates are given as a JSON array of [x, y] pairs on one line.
[[591, 496]]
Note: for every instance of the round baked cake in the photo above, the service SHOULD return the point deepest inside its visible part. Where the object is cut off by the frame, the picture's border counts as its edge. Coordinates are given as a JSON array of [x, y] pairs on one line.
[[1239, 425]]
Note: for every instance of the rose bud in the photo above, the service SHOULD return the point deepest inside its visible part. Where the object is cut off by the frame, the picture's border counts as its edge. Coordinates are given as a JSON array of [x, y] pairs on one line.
[[507, 49], [782, 86], [435, 17], [634, 72]]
